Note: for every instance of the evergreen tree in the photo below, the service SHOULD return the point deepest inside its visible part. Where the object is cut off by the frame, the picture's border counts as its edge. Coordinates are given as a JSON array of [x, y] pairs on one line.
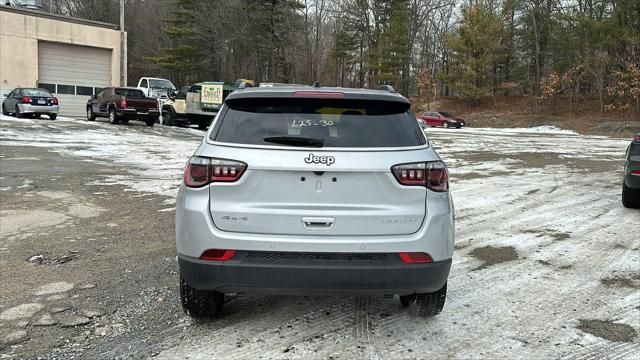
[[476, 48], [181, 58]]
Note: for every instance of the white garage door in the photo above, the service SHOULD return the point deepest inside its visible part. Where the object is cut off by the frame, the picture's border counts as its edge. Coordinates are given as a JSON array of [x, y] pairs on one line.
[[73, 73]]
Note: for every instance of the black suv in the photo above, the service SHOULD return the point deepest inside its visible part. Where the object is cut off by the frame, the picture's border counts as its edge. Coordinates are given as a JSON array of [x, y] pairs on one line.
[[631, 184]]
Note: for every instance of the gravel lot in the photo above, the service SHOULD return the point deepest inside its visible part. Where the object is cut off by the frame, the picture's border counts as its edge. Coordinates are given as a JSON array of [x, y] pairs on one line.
[[547, 261]]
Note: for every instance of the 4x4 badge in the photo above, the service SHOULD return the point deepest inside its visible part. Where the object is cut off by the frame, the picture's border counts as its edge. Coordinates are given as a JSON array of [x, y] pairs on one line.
[[316, 159]]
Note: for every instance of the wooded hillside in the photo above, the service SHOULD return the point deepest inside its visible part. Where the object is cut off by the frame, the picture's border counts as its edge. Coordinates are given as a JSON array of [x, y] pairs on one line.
[[472, 49]]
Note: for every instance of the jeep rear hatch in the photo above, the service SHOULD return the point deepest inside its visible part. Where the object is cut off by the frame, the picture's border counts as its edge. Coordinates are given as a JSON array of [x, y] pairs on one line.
[[316, 166]]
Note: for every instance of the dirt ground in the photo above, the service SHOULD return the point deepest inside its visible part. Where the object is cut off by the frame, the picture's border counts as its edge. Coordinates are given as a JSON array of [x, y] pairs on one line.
[[547, 261]]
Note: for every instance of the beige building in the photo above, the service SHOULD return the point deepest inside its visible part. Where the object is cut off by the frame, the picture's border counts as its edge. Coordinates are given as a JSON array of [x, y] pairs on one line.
[[72, 58]]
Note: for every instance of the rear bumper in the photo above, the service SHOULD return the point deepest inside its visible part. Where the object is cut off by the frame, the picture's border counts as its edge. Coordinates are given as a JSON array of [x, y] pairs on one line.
[[44, 109], [133, 114], [632, 181], [248, 274]]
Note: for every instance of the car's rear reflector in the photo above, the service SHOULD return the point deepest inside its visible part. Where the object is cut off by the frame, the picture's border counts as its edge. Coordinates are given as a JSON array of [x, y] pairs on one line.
[[218, 254], [415, 257], [319, 94]]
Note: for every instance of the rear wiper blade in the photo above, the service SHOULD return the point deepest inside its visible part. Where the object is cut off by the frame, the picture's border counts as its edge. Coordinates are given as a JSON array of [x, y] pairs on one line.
[[294, 140]]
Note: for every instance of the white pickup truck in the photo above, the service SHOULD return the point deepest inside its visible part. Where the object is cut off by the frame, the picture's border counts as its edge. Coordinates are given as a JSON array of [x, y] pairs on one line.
[[160, 89]]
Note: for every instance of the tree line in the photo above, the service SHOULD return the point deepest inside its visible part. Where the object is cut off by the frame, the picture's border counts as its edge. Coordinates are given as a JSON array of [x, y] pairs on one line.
[[473, 49]]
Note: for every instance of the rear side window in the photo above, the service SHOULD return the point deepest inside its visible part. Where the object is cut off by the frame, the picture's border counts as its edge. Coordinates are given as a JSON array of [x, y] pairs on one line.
[[131, 93], [335, 122]]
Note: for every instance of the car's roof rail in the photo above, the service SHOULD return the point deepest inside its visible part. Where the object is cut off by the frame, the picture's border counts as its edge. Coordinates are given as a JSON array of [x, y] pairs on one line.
[[388, 88]]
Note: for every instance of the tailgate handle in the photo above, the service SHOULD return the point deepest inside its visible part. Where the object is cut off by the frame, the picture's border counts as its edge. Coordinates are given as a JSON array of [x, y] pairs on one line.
[[318, 223]]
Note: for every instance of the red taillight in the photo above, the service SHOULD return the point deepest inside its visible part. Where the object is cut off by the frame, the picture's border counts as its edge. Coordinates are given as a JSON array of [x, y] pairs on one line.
[[415, 257], [201, 171], [218, 254], [54, 101], [437, 176], [432, 174], [26, 100], [123, 103], [636, 138], [635, 172], [319, 94]]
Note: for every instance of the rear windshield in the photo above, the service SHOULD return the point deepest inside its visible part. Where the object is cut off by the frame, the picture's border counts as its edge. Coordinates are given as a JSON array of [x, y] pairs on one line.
[[131, 93], [634, 148], [36, 92], [334, 122]]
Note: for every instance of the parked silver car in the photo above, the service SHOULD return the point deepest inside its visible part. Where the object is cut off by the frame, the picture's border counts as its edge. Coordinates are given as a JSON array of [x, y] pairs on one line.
[[313, 190], [23, 102]]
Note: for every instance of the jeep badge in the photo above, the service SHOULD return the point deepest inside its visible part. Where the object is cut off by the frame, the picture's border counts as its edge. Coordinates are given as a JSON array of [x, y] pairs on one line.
[[315, 159]]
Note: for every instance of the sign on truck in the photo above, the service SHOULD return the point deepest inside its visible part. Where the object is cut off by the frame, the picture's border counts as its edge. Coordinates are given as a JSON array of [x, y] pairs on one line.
[[211, 95]]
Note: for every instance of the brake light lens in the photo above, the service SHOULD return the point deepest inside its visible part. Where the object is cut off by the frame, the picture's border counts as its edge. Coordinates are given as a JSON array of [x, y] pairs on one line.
[[319, 94], [54, 101], [635, 172], [218, 254], [226, 170], [636, 137], [432, 174], [415, 258], [123, 103], [201, 171], [26, 100]]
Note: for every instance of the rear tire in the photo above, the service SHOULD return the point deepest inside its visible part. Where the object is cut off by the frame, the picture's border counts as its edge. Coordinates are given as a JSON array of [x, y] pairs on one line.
[[200, 303], [167, 118], [427, 304], [53, 116], [113, 119], [445, 125], [18, 113], [630, 197], [150, 122]]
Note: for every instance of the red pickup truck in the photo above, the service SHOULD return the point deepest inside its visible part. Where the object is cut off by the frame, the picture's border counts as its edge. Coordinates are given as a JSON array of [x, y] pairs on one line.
[[121, 104]]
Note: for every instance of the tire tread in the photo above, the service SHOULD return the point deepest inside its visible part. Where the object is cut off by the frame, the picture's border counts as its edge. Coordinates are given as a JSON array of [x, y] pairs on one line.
[[200, 303], [430, 304], [630, 197]]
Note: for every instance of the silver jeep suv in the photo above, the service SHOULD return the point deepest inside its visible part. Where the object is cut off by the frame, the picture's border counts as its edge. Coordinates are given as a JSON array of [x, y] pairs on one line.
[[309, 190]]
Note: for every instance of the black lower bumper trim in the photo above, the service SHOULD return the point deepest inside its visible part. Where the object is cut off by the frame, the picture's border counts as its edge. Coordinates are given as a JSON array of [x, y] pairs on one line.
[[295, 277], [632, 181]]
